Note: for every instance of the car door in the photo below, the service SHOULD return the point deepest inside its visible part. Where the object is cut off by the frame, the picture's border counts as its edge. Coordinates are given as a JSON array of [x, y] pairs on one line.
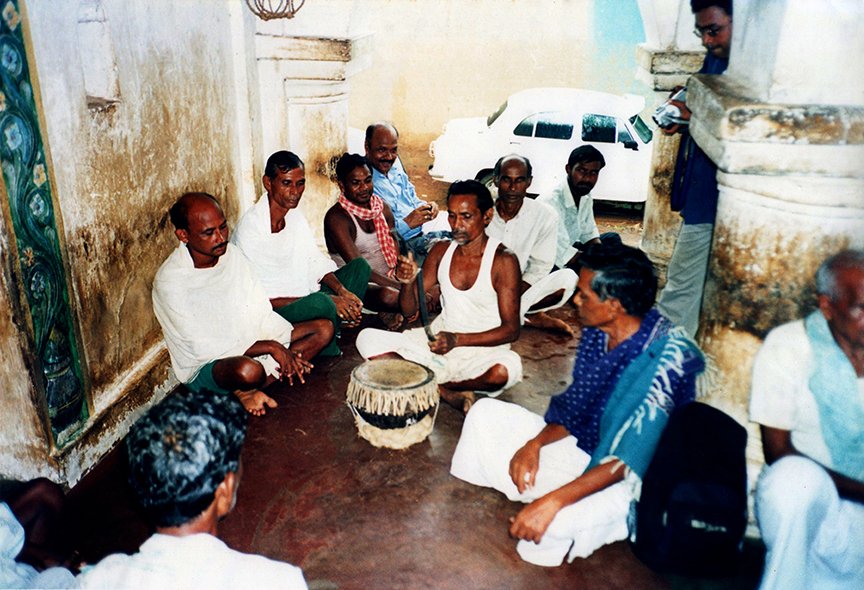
[[624, 177]]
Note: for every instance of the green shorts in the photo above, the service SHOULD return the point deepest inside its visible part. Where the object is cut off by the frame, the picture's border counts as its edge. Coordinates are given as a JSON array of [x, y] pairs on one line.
[[204, 380]]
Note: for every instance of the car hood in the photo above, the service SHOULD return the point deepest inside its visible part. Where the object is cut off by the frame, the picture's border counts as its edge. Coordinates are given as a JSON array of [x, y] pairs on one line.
[[468, 125]]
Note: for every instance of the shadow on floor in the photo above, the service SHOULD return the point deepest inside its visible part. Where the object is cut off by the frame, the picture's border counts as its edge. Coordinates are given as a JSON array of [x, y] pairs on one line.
[[356, 517]]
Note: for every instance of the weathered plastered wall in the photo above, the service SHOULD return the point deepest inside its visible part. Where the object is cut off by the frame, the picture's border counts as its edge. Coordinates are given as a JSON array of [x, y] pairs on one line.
[[116, 166]]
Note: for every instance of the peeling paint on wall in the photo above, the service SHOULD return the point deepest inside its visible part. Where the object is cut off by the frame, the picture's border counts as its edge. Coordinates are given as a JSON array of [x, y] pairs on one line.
[[156, 150]]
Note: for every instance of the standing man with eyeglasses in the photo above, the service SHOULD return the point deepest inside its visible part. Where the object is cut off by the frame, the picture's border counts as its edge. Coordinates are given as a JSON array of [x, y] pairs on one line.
[[694, 186]]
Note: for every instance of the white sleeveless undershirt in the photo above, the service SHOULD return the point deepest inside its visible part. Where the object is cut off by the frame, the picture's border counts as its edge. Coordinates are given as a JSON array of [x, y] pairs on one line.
[[474, 309], [368, 247]]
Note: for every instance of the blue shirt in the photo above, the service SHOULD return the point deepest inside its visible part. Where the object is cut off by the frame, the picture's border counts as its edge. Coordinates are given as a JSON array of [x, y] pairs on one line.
[[398, 192], [596, 372], [694, 187]]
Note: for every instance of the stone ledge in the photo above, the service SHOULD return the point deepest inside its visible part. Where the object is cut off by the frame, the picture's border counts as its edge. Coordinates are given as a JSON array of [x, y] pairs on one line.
[[664, 69], [753, 137], [668, 61], [340, 49]]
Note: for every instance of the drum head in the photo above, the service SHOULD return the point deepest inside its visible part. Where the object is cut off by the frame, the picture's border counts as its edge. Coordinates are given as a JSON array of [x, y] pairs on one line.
[[391, 374]]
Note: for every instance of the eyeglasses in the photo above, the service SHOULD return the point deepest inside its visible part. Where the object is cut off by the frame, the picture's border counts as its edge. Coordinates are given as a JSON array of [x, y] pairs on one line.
[[712, 31]]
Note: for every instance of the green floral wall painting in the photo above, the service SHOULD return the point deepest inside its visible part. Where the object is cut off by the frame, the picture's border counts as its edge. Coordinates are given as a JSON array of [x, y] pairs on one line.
[[22, 158]]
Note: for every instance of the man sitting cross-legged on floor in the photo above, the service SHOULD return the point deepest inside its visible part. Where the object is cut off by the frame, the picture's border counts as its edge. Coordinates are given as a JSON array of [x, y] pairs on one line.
[[479, 280], [184, 468], [301, 281], [360, 225], [528, 228], [220, 330], [578, 467]]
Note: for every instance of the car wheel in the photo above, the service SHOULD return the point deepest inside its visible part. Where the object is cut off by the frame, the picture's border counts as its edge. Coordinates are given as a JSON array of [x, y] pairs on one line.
[[486, 177]]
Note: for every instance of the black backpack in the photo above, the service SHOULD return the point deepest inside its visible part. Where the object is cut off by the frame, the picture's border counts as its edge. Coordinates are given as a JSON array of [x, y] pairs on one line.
[[691, 515]]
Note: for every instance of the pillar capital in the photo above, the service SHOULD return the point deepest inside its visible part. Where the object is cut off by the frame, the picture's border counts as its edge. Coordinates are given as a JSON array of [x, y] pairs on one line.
[[747, 136], [662, 69]]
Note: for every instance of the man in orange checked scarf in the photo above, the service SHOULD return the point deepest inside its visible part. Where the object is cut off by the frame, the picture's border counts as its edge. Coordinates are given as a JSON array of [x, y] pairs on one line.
[[375, 213], [360, 225]]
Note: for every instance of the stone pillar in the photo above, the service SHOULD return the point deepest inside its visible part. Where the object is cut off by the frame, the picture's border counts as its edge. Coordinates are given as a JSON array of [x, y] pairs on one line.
[[663, 70], [789, 147], [304, 106]]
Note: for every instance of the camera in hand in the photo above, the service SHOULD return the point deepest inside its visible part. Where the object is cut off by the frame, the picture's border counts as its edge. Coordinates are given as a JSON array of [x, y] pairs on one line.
[[668, 114]]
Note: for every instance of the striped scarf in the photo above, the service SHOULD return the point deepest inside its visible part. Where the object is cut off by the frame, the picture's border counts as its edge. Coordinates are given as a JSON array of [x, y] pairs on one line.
[[382, 230]]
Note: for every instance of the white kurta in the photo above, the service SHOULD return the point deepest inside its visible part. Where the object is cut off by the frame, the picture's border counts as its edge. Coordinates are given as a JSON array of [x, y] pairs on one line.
[[288, 263], [780, 393], [815, 538], [531, 235], [194, 561], [575, 224], [212, 313]]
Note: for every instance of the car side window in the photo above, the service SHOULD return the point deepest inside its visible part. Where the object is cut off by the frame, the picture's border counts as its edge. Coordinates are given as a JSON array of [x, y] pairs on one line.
[[598, 128], [554, 126], [526, 127]]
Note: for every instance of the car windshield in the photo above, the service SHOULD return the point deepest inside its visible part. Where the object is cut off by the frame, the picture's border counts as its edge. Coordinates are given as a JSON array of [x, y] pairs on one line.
[[641, 128], [491, 118]]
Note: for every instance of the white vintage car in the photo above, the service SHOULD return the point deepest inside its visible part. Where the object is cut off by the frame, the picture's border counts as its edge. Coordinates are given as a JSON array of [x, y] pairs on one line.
[[545, 124]]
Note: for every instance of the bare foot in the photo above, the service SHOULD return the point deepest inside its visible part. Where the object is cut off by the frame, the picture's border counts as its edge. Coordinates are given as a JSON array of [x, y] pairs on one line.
[[256, 402], [392, 321], [461, 400], [544, 321]]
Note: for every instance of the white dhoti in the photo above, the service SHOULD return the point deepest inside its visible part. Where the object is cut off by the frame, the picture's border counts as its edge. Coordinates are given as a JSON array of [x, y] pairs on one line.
[[492, 433], [559, 280], [815, 539], [460, 364]]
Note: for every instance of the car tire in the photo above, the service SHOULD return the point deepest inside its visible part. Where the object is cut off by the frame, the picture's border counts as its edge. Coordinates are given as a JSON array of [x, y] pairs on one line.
[[486, 177]]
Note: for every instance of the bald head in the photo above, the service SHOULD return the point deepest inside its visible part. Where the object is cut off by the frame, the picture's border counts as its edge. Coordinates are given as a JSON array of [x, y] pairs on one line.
[[512, 177], [382, 146], [510, 159], [179, 211]]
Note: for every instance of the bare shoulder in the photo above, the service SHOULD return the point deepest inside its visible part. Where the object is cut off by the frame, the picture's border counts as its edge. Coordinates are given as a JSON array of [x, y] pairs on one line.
[[436, 253], [388, 215], [335, 214], [505, 256], [439, 247], [505, 261]]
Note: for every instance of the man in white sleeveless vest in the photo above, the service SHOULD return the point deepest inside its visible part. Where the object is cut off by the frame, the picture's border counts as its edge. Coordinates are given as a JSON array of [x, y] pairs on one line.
[[479, 280]]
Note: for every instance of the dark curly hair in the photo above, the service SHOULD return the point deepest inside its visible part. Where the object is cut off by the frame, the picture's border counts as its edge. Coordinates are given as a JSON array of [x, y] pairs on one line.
[[700, 5], [623, 273], [180, 451], [283, 161], [472, 187], [349, 162]]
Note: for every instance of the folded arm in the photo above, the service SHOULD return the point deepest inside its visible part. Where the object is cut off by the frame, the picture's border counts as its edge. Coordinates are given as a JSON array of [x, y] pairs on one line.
[[777, 443]]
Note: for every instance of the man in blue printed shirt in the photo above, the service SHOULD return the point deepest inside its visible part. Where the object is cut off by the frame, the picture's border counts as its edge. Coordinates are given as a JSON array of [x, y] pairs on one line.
[[632, 368], [392, 184]]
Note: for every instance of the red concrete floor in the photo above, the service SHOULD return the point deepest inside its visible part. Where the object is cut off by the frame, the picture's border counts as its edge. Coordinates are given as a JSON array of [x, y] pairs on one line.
[[356, 517]]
